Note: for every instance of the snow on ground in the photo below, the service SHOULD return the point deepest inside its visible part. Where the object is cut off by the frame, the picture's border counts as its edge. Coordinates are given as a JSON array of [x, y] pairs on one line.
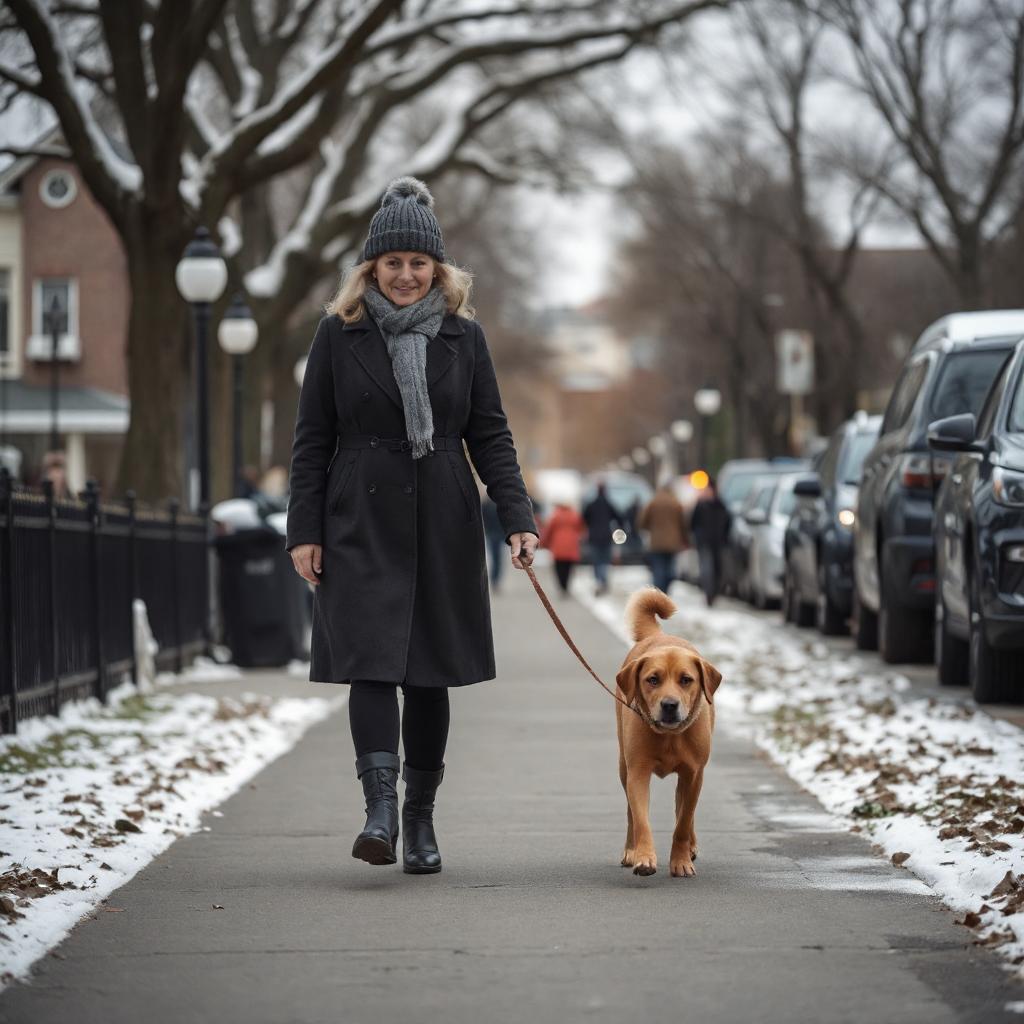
[[88, 798], [938, 786]]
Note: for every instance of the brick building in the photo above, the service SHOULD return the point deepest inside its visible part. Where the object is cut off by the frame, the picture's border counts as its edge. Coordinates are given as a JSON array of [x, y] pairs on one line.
[[57, 244]]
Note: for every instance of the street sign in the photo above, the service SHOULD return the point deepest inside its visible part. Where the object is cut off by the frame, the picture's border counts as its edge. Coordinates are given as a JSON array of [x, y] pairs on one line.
[[794, 362]]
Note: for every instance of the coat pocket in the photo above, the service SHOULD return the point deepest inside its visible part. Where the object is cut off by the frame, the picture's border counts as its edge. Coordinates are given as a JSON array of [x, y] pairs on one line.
[[341, 485], [463, 486]]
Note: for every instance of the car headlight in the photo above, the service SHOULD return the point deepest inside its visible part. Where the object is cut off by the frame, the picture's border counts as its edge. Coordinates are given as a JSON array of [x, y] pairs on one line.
[[1008, 486], [847, 517]]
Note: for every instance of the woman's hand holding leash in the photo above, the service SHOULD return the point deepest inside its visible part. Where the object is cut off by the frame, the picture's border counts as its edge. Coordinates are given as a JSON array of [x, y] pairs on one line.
[[307, 559], [523, 547]]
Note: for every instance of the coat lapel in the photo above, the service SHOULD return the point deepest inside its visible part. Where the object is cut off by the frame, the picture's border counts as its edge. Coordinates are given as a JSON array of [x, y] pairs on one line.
[[443, 349], [369, 348]]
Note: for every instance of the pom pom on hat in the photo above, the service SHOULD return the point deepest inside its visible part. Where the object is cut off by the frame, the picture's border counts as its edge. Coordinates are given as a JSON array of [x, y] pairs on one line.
[[405, 222], [408, 188]]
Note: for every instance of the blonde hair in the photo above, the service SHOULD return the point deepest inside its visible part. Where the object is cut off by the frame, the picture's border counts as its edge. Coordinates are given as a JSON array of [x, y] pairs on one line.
[[453, 281]]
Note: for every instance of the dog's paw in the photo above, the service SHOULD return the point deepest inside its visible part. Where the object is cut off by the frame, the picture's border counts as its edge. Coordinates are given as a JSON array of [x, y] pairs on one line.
[[682, 867], [628, 856], [645, 864]]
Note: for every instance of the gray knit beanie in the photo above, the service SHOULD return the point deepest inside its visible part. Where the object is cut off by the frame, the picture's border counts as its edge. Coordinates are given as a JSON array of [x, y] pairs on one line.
[[405, 222]]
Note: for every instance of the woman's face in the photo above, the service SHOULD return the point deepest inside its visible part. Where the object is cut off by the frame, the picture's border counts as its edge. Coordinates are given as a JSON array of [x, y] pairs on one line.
[[404, 277]]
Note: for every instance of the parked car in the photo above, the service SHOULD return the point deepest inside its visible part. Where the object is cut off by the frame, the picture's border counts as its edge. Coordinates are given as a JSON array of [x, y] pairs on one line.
[[767, 517], [979, 543], [735, 480], [628, 493], [818, 583], [948, 372]]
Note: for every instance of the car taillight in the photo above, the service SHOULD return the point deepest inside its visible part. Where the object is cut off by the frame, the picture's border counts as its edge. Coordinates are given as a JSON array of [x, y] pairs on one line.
[[922, 472]]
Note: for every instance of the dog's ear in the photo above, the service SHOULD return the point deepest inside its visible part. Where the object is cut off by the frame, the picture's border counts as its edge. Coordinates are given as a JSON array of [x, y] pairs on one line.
[[710, 677], [627, 677]]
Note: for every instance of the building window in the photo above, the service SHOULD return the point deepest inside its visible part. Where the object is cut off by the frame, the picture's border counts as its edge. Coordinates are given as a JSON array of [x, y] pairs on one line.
[[44, 291], [51, 288], [58, 188]]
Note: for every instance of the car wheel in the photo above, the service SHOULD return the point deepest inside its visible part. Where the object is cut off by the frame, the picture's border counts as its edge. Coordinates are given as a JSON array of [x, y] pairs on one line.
[[903, 633], [830, 620], [991, 671], [951, 653]]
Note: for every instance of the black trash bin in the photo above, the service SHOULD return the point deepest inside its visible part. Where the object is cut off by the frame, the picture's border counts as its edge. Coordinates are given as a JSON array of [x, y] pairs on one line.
[[261, 606]]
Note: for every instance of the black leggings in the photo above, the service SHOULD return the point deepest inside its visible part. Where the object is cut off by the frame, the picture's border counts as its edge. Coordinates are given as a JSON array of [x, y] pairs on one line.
[[373, 716]]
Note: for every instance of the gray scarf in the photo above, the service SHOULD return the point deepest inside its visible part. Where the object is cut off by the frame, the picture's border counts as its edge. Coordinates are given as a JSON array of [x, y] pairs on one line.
[[406, 330]]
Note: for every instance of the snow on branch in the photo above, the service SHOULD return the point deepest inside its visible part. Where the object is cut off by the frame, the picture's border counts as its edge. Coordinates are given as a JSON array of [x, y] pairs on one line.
[[324, 220], [324, 72], [260, 146], [264, 281], [250, 79], [108, 175]]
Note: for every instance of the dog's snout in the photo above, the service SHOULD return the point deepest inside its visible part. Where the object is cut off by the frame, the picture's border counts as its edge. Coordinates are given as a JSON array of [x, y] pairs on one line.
[[669, 708]]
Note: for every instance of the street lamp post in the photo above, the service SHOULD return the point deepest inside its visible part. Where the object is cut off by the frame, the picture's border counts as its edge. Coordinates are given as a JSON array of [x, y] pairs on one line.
[[201, 276], [237, 335], [658, 447], [707, 401], [682, 432], [55, 318], [641, 457]]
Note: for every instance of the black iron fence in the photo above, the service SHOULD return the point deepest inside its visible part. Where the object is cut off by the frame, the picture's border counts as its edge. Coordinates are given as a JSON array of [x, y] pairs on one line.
[[70, 571]]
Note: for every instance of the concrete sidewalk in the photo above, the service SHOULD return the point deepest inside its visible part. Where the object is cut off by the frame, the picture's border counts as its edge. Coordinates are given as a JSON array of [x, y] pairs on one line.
[[532, 918]]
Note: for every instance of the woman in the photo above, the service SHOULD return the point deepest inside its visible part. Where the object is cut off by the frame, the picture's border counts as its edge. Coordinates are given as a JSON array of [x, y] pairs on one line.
[[561, 534], [384, 519]]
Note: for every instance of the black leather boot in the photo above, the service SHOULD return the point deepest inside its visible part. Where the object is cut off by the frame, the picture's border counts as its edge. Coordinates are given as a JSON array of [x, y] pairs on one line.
[[419, 844], [378, 772]]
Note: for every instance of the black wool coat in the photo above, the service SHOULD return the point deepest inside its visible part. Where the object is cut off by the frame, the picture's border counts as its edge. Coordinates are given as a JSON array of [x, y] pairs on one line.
[[403, 594]]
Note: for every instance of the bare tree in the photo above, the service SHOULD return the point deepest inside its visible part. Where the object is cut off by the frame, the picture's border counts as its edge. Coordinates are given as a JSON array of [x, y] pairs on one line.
[[947, 82], [212, 99], [783, 63], [698, 274]]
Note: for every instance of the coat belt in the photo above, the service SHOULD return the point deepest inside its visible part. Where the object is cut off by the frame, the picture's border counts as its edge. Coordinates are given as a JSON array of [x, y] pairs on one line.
[[397, 444]]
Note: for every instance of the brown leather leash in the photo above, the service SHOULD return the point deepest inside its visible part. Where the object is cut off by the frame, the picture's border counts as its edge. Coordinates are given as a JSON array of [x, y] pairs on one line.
[[568, 639]]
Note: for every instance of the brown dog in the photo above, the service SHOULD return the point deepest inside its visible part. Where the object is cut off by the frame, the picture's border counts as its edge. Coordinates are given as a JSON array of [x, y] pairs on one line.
[[672, 687]]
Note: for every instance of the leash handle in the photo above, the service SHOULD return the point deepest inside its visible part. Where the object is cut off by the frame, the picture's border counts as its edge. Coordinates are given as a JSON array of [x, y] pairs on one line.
[[568, 639]]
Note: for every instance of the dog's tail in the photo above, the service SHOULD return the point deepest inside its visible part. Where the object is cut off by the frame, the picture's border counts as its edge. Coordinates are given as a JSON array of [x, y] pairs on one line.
[[641, 610]]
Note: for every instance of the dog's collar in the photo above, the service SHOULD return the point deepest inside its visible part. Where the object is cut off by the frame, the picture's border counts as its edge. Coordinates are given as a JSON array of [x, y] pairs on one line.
[[655, 725]]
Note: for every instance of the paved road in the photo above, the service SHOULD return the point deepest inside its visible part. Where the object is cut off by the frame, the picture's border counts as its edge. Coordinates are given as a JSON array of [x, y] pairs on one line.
[[532, 918]]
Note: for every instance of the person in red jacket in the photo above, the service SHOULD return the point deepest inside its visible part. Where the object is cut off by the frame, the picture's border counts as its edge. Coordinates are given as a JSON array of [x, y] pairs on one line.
[[561, 535]]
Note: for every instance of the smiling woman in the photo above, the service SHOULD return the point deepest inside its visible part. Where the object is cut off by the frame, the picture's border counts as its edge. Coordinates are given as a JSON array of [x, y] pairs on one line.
[[384, 519]]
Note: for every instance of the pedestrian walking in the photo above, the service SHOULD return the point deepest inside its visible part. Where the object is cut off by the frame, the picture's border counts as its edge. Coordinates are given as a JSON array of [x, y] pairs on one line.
[[383, 516], [561, 535], [665, 520], [709, 526], [494, 532], [599, 514]]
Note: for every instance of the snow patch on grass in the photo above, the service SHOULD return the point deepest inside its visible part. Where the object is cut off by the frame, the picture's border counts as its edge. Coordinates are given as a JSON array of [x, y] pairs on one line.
[[90, 796]]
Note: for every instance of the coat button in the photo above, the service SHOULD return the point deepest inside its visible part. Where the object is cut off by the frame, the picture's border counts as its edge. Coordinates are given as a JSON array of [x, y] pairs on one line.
[[407, 488], [373, 488], [365, 396]]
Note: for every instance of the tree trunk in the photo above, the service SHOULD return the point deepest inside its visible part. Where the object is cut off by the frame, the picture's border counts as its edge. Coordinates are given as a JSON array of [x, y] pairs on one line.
[[158, 356]]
